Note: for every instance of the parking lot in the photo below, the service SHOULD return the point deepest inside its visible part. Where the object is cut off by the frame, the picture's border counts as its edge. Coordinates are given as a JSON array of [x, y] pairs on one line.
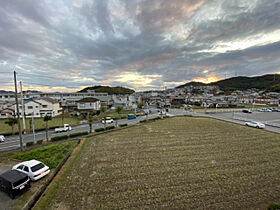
[[270, 119]]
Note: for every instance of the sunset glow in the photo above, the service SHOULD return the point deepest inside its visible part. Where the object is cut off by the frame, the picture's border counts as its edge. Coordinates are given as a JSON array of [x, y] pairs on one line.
[[208, 79]]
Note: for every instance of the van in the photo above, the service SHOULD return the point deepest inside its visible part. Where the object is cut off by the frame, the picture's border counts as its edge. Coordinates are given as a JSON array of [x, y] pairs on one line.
[[14, 182]]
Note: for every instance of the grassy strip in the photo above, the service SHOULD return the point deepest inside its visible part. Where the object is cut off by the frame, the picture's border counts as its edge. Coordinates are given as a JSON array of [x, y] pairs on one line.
[[51, 155], [48, 195]]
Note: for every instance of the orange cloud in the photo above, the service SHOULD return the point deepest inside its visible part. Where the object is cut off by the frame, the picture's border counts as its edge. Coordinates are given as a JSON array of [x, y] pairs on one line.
[[208, 79]]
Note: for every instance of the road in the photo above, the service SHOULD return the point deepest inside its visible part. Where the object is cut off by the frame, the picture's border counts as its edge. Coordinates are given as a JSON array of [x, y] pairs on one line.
[[270, 119], [13, 142], [238, 117]]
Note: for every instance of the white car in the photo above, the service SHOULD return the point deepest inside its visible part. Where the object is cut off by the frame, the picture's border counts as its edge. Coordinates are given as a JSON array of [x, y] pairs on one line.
[[108, 120], [255, 124], [33, 168], [2, 138]]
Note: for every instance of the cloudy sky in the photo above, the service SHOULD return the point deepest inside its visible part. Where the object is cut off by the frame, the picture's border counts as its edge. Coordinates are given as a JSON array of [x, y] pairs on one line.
[[64, 45]]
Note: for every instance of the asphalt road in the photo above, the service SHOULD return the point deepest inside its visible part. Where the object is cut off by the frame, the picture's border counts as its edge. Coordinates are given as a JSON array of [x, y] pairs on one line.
[[270, 119], [13, 142]]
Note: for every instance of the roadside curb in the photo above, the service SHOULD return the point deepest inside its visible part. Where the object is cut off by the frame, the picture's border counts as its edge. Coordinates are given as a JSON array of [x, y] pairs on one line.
[[35, 197]]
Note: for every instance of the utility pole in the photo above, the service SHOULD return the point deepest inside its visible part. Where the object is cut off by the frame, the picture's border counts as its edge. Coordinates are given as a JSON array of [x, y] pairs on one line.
[[33, 130], [23, 108], [18, 117]]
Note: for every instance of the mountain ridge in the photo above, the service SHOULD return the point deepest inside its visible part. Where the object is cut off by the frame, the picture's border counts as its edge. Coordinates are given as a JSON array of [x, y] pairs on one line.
[[265, 82]]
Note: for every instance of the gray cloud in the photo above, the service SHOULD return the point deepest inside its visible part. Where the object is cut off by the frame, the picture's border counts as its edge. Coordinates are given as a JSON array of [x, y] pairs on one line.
[[78, 43]]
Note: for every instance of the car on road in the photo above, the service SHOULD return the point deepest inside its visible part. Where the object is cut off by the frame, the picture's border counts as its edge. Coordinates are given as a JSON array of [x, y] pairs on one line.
[[131, 116], [247, 111], [107, 120], [14, 182], [255, 124], [2, 138], [265, 110], [65, 128], [33, 168]]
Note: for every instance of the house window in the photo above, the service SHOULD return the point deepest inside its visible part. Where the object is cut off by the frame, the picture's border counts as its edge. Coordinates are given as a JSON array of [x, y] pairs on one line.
[[30, 107], [45, 106]]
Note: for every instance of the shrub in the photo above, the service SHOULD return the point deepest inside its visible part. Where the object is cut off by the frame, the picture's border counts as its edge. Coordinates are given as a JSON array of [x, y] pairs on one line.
[[109, 127], [78, 134], [99, 129], [123, 125], [40, 129], [142, 121], [29, 144], [123, 117], [57, 138], [40, 142], [53, 127], [273, 207]]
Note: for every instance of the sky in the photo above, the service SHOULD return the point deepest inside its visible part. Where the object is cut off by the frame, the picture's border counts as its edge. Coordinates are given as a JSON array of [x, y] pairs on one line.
[[65, 45]]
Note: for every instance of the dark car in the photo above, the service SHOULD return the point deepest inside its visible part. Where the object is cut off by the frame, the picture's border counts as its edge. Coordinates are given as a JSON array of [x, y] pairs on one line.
[[247, 111], [14, 182]]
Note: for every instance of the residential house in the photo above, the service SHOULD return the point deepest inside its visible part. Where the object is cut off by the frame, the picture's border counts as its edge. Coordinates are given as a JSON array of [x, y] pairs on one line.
[[31, 108], [7, 113], [49, 107], [88, 105]]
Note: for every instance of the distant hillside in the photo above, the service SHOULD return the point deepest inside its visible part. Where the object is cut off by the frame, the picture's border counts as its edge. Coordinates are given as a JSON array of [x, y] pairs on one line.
[[195, 84], [6, 92], [269, 82], [242, 83], [109, 90]]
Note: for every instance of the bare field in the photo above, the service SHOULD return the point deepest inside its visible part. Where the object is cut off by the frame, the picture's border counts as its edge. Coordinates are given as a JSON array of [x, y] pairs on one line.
[[181, 162]]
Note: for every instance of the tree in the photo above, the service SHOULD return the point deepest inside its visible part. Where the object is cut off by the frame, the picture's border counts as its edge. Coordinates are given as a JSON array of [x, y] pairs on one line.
[[11, 122], [103, 110], [90, 119], [140, 105], [46, 119], [118, 110]]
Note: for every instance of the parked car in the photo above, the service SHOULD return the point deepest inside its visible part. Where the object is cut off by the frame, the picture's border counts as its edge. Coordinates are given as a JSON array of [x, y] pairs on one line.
[[33, 168], [255, 124], [131, 116], [247, 111], [107, 120], [2, 138], [14, 182], [275, 110]]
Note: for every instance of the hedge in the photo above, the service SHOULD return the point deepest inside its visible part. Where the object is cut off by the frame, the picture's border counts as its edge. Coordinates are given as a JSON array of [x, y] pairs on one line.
[[142, 121], [99, 129], [57, 138], [40, 142], [123, 125], [78, 134], [109, 127], [29, 144]]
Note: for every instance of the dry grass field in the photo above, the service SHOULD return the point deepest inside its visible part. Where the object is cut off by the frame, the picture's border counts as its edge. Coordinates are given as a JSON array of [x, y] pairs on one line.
[[181, 162]]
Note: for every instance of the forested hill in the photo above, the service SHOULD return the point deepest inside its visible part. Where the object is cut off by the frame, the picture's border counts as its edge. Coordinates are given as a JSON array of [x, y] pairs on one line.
[[110, 90], [269, 82]]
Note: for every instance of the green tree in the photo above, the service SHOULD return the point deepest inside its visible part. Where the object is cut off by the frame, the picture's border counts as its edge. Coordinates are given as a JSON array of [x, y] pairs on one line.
[[118, 110], [90, 120], [140, 105], [46, 119], [11, 122]]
